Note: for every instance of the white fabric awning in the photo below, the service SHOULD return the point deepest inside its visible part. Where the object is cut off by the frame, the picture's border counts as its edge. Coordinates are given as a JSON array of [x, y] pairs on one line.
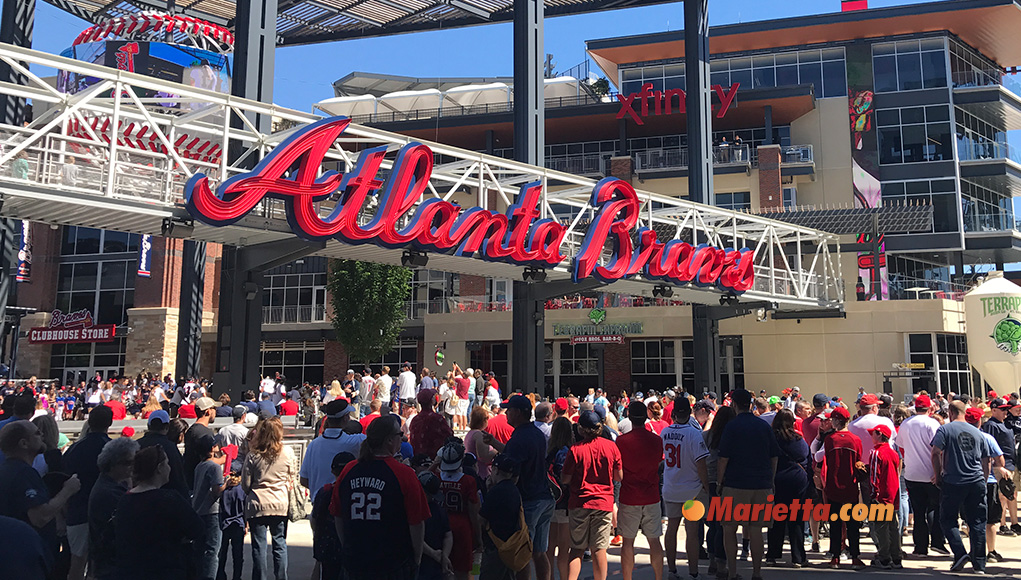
[[471, 95], [348, 106]]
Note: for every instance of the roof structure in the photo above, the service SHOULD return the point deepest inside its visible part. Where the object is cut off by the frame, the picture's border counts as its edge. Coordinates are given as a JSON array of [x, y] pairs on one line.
[[377, 85], [314, 21]]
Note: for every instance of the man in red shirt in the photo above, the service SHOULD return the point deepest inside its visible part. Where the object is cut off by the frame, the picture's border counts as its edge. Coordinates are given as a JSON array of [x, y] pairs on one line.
[[641, 453], [289, 407], [841, 457], [118, 408], [498, 426], [591, 467], [884, 477], [492, 381], [429, 430], [374, 408]]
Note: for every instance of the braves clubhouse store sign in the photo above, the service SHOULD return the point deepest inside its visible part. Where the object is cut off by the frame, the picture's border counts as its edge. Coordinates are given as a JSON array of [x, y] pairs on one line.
[[73, 327], [516, 237]]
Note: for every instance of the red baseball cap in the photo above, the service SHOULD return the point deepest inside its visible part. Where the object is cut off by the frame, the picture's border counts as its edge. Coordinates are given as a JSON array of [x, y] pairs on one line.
[[560, 405], [128, 432], [923, 402], [973, 415], [884, 429], [840, 412], [868, 399]]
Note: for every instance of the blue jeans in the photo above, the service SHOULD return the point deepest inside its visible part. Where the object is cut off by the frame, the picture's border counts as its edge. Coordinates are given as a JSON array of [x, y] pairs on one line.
[[972, 498], [905, 506], [232, 541], [538, 513], [277, 527], [471, 402], [208, 550]]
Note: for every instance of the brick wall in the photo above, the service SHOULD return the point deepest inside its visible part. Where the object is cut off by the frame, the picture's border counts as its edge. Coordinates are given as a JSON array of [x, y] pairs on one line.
[[41, 292], [621, 168], [472, 285], [152, 344], [335, 361], [616, 367], [770, 185], [163, 289]]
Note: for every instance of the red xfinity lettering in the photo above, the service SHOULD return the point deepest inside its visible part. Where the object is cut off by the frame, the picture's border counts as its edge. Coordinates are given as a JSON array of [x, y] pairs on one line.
[[663, 102]]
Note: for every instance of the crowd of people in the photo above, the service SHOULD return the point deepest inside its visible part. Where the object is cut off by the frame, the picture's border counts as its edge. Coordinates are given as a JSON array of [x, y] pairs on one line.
[[432, 477]]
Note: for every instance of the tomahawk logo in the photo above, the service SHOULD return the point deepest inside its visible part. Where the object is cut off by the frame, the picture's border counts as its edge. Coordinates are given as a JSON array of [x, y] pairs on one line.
[[663, 102], [126, 57]]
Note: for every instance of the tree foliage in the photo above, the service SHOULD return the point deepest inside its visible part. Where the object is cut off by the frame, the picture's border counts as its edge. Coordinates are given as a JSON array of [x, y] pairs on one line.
[[368, 306], [601, 87]]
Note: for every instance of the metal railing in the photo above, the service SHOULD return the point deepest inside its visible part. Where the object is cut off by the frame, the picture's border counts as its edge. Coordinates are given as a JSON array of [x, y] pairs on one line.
[[990, 222], [797, 154], [975, 150], [580, 164], [909, 288], [677, 157], [293, 314]]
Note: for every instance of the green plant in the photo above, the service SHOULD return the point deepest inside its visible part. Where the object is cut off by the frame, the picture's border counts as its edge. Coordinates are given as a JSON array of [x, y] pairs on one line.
[[368, 306], [601, 87]]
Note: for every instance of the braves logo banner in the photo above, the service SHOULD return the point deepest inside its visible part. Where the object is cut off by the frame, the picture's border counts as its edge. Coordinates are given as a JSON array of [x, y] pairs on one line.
[[25, 253], [516, 237], [72, 327], [145, 256]]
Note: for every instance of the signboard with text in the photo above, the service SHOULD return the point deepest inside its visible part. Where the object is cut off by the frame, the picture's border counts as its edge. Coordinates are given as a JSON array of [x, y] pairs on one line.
[[72, 327], [598, 339]]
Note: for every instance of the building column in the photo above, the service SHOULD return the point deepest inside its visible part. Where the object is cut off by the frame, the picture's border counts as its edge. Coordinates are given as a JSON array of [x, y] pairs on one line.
[[622, 168], [698, 101], [255, 40], [189, 339], [705, 334], [770, 180], [529, 100]]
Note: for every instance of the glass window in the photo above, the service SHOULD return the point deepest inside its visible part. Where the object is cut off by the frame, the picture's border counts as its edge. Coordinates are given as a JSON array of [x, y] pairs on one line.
[[934, 69], [884, 70], [890, 146], [913, 143], [909, 71], [764, 77], [834, 79], [811, 73], [786, 75]]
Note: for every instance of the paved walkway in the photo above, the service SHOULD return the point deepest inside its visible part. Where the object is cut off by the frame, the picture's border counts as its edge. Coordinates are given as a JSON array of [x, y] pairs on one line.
[[299, 541]]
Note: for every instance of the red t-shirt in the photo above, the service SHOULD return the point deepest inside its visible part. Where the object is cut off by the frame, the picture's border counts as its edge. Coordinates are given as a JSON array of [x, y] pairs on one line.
[[428, 432], [499, 428], [366, 420], [463, 385], [456, 495], [657, 426], [668, 411], [288, 407], [843, 450], [591, 466], [883, 462], [186, 411], [641, 452], [119, 411]]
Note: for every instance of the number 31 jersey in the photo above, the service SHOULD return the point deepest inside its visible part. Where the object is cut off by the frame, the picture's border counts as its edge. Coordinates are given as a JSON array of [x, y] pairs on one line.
[[378, 500], [683, 445]]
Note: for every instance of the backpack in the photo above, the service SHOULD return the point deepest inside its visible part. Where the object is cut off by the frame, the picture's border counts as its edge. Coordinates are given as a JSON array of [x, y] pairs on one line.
[[516, 551]]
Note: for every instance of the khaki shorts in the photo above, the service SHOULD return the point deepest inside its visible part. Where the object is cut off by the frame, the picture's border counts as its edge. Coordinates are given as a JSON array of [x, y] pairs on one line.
[[78, 539], [674, 509], [560, 517], [590, 529], [647, 518], [1017, 478], [747, 496]]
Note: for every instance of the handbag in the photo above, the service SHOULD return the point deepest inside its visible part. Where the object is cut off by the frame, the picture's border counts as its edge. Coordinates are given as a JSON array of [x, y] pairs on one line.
[[296, 509], [516, 551]]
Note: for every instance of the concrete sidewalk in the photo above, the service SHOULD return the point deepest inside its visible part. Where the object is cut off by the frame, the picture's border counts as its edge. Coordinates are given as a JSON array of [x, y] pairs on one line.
[[300, 561]]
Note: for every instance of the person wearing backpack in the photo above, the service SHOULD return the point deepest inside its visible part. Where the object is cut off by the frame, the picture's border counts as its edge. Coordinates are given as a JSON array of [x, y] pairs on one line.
[[507, 548]]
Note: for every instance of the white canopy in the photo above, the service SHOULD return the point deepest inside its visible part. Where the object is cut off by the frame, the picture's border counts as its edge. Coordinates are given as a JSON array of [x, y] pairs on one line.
[[403, 101], [471, 95], [561, 87], [348, 106]]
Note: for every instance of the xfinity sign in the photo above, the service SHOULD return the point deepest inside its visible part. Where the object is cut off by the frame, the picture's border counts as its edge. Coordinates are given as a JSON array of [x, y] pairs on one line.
[[636, 105]]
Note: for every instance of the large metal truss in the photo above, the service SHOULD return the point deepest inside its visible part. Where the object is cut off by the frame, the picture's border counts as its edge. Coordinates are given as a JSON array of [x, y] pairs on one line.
[[135, 154]]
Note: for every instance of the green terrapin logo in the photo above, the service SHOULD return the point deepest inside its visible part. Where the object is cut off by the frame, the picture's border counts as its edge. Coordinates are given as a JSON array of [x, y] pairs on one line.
[[1007, 335], [597, 315]]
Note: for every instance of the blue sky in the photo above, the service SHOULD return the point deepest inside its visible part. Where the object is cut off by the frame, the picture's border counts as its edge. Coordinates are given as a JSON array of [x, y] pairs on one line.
[[303, 74]]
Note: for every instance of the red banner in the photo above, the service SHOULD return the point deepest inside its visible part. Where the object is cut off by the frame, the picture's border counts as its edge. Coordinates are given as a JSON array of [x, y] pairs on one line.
[[598, 339], [43, 335]]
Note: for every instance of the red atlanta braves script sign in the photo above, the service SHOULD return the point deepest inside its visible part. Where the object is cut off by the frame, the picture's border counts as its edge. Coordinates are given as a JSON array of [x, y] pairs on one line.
[[72, 327], [516, 237]]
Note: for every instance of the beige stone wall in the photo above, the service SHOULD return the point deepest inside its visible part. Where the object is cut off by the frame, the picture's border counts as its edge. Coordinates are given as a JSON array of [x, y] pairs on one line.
[[152, 343], [833, 356], [34, 359]]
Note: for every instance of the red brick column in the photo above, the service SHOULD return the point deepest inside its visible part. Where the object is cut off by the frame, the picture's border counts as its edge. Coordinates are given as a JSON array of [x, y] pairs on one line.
[[621, 168], [472, 285], [616, 367], [163, 289], [335, 361], [770, 185], [41, 292]]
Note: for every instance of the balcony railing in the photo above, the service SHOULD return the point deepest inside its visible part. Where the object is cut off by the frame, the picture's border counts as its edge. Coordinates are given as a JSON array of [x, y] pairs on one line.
[[417, 309], [580, 164], [990, 222], [677, 158], [293, 314], [973, 150], [798, 154], [908, 288]]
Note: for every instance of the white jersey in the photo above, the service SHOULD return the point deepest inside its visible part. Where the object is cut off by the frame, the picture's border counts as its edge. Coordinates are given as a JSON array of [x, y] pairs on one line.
[[406, 385], [365, 392], [914, 439], [861, 426], [384, 389], [683, 446]]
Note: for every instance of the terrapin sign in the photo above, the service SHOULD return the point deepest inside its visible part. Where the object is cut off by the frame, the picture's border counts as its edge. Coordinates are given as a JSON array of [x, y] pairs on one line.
[[517, 237]]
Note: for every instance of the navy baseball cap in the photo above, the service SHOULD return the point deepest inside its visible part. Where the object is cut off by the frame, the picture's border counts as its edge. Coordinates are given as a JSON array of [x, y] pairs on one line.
[[519, 402], [820, 400], [589, 419]]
